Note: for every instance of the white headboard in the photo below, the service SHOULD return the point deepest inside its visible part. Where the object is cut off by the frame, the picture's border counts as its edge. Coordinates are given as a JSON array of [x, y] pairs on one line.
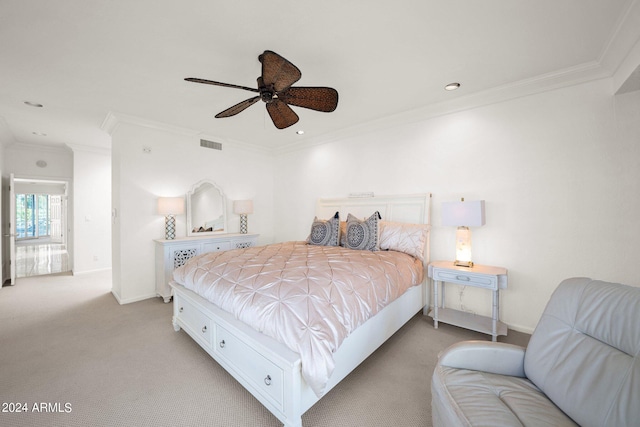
[[413, 209]]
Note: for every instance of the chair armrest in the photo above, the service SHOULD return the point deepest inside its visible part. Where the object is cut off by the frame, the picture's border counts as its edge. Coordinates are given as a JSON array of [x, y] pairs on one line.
[[494, 357]]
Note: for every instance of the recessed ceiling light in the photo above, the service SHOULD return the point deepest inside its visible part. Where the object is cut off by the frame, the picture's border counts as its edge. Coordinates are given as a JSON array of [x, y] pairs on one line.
[[39, 133], [33, 104], [452, 86], [300, 132]]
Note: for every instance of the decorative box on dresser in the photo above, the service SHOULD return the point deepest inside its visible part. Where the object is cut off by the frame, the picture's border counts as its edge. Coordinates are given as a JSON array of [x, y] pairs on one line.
[[171, 254]]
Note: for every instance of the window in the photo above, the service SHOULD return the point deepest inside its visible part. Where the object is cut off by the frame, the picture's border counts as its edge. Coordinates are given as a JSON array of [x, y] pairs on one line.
[[33, 217], [43, 215]]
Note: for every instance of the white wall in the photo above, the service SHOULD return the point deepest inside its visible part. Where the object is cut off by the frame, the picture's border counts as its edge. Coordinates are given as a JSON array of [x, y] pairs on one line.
[[559, 172], [174, 163], [91, 209]]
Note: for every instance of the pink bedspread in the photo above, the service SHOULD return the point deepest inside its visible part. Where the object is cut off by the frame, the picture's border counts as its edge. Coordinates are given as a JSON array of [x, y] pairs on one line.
[[308, 297]]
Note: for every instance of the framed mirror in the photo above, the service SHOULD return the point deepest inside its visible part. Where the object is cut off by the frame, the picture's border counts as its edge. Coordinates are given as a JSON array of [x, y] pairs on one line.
[[206, 209]]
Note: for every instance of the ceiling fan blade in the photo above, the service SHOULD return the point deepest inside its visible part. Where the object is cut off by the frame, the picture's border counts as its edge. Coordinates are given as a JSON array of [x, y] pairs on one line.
[[232, 111], [278, 71], [211, 82], [281, 114], [316, 98]]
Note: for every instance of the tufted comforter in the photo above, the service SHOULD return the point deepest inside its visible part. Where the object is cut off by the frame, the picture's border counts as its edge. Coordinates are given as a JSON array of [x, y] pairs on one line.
[[308, 297]]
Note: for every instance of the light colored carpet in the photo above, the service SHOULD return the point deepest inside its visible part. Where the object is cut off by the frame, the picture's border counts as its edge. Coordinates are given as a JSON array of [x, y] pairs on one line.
[[66, 343]]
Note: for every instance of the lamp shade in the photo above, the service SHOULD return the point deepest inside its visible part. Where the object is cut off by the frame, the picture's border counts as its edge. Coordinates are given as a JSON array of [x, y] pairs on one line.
[[242, 207], [170, 205], [463, 214]]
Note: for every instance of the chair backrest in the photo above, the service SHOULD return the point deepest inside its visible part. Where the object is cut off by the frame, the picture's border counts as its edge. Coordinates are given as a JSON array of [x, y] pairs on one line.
[[584, 353]]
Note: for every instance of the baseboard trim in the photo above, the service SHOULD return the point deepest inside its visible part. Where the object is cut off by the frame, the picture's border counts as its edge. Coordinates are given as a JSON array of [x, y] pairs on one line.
[[123, 301], [80, 273]]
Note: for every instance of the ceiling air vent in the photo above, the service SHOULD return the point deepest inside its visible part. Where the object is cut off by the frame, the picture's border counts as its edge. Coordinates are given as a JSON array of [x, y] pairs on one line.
[[210, 144]]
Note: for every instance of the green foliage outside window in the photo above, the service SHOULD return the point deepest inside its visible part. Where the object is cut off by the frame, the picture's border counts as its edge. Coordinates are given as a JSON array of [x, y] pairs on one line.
[[32, 215]]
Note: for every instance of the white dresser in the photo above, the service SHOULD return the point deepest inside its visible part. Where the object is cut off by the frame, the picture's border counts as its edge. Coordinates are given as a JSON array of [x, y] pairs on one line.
[[171, 254]]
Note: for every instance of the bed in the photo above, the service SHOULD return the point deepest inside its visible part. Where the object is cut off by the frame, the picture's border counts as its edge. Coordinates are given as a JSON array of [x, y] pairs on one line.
[[264, 359]]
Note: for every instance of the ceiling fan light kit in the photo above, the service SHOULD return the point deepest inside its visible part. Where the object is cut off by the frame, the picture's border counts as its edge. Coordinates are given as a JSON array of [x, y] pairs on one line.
[[276, 91]]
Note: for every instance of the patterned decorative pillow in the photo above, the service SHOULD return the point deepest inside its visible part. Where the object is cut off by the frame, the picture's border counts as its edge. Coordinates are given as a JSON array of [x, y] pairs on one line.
[[363, 235], [325, 232], [402, 237]]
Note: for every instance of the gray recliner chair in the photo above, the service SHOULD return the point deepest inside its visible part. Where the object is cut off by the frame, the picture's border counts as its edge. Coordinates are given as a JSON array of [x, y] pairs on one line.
[[581, 366]]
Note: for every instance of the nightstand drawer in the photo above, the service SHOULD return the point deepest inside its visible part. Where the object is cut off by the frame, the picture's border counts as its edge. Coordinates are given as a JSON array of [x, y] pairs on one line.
[[465, 278]]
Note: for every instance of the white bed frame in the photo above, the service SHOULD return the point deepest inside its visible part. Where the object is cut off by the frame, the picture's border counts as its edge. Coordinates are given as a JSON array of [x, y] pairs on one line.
[[268, 369]]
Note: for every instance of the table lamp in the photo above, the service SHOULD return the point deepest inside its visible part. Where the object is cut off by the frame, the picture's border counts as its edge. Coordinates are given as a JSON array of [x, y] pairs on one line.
[[170, 207], [463, 215], [243, 208]]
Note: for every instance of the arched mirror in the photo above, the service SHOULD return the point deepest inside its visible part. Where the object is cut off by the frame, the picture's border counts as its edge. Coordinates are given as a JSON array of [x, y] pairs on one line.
[[206, 209]]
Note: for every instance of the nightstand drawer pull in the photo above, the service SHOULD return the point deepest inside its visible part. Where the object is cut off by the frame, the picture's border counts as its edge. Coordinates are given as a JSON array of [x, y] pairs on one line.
[[181, 309], [267, 380], [204, 329], [222, 344], [464, 278]]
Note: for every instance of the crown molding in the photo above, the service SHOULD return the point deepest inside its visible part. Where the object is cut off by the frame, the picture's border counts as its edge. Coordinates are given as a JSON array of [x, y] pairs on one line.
[[6, 136], [89, 148], [49, 148], [623, 57], [114, 119], [109, 123], [622, 39], [547, 82]]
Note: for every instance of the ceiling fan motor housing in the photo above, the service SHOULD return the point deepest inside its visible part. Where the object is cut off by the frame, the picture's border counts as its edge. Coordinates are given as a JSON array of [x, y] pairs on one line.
[[266, 93]]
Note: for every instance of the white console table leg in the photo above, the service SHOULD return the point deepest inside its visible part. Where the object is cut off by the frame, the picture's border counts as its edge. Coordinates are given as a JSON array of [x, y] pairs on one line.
[[436, 303], [494, 315]]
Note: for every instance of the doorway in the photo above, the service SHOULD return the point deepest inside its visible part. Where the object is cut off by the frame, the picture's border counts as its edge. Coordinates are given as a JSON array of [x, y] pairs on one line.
[[40, 225]]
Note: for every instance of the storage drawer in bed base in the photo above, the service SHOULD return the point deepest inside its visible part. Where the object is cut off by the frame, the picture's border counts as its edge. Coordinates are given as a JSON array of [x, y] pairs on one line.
[[240, 350]]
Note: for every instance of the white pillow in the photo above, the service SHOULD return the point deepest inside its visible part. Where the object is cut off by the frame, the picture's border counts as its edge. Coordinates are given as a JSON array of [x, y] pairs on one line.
[[403, 237]]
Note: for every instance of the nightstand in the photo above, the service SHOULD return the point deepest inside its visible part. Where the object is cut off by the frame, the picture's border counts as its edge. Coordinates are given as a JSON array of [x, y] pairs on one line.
[[478, 276]]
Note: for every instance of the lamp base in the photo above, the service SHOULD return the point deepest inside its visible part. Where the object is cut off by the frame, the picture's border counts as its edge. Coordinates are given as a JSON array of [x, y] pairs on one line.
[[170, 227], [463, 247], [468, 264], [243, 224]]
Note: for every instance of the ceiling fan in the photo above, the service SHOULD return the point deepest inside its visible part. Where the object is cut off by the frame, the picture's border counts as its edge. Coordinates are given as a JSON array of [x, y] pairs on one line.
[[275, 89]]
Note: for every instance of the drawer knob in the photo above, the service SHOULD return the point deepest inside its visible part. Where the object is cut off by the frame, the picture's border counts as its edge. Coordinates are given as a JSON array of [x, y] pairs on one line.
[[267, 380], [222, 344], [465, 278], [181, 309], [204, 329]]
